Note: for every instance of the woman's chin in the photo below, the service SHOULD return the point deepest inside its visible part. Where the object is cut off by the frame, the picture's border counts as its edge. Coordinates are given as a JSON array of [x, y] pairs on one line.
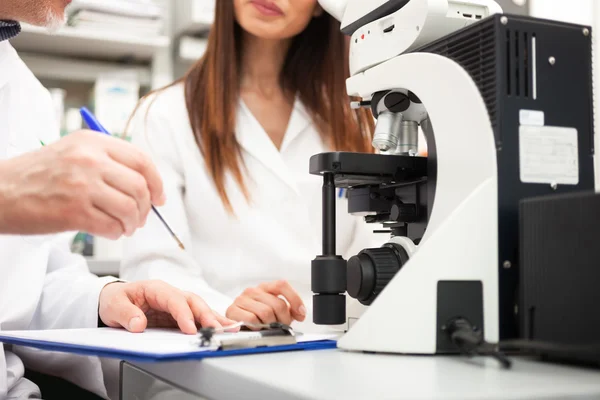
[[270, 30], [268, 34]]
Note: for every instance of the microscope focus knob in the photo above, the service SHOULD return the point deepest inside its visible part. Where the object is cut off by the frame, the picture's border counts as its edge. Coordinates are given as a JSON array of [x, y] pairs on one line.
[[371, 270]]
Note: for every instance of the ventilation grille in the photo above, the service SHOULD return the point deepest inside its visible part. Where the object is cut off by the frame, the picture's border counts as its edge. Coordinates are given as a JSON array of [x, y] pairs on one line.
[[519, 79], [474, 49]]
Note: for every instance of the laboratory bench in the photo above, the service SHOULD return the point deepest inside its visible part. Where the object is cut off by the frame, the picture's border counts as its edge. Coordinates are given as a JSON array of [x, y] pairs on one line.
[[337, 374]]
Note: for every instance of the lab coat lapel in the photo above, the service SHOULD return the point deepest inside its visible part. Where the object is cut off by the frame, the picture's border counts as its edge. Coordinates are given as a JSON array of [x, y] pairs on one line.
[[299, 121], [6, 67], [253, 139]]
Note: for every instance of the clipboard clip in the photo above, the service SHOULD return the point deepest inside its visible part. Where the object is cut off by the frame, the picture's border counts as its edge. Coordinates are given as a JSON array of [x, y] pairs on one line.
[[274, 334]]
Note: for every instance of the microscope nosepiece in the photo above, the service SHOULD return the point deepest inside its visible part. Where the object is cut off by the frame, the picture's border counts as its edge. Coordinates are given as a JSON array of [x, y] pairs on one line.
[[387, 131]]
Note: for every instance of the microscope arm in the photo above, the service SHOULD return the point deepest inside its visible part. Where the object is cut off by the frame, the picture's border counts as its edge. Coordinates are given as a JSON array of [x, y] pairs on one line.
[[383, 29], [353, 14], [335, 8]]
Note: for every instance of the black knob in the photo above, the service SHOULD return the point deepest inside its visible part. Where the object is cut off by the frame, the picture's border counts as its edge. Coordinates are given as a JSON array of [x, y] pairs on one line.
[[397, 102], [403, 213], [328, 283], [372, 269]]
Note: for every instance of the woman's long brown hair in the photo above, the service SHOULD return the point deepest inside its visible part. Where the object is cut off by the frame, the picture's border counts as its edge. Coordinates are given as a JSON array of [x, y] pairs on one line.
[[316, 69]]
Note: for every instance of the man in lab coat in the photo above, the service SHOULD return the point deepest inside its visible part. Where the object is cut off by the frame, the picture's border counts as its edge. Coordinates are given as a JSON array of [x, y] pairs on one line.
[[91, 183], [86, 180]]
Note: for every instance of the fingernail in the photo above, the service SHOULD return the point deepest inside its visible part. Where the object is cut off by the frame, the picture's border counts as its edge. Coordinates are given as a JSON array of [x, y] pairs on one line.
[[191, 325], [134, 324], [163, 198], [302, 310]]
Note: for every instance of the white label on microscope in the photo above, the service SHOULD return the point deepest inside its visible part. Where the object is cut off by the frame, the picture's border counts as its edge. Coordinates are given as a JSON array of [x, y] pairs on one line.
[[548, 154], [531, 117]]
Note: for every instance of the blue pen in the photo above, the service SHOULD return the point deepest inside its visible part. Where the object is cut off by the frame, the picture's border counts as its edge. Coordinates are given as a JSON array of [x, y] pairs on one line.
[[91, 121], [94, 125]]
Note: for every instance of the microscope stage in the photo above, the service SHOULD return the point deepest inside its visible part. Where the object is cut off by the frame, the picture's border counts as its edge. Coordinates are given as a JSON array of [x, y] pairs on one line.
[[359, 169]]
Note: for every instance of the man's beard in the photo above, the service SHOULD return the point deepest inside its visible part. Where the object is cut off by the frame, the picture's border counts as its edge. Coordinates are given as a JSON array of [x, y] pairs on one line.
[[54, 22]]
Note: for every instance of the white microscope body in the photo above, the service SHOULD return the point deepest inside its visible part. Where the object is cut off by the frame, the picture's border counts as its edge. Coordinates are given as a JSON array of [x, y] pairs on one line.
[[415, 23], [461, 239]]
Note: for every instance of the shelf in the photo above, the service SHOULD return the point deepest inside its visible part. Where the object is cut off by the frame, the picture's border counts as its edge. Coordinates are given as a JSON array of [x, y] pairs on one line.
[[194, 16], [89, 44], [104, 267], [191, 49], [76, 70], [201, 25]]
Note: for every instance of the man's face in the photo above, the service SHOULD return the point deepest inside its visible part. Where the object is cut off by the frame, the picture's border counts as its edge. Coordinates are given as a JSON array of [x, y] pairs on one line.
[[47, 13]]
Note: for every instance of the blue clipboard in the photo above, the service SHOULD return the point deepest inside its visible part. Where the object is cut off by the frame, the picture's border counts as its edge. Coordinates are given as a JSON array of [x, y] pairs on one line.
[[136, 356]]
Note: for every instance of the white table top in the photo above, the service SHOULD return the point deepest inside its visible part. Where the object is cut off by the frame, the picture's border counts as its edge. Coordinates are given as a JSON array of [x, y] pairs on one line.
[[335, 374]]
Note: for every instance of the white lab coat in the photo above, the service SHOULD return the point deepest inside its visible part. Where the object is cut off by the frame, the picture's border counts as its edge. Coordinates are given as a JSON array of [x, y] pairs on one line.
[[274, 237], [42, 284]]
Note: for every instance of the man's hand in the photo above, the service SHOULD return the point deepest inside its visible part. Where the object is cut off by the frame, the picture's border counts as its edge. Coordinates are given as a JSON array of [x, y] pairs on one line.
[[140, 305], [84, 182], [264, 305]]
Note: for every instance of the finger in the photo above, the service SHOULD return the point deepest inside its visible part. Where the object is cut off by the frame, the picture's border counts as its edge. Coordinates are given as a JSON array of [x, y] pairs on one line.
[[263, 312], [238, 314], [284, 289], [117, 205], [98, 223], [202, 312], [133, 158], [279, 307], [163, 297], [122, 312], [130, 183], [225, 322]]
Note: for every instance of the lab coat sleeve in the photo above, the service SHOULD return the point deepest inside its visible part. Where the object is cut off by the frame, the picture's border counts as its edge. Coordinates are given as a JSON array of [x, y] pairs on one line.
[[151, 253], [71, 293]]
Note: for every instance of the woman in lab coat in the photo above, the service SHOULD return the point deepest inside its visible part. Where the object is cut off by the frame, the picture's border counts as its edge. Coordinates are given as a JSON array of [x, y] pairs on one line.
[[232, 141]]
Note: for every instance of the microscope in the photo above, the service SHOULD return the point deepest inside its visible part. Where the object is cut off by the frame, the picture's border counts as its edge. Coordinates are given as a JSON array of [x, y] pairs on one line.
[[503, 126]]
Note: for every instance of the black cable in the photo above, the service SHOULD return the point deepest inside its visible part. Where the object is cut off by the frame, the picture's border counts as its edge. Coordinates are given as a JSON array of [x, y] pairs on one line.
[[471, 342]]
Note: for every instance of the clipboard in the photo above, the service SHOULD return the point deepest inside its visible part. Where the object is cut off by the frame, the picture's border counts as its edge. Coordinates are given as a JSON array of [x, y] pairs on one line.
[[157, 345]]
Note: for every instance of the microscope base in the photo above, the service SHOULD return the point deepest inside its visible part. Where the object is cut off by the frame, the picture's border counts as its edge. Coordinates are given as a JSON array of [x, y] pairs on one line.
[[454, 271]]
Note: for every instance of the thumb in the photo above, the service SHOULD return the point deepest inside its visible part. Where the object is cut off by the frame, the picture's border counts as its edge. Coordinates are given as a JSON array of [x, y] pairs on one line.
[[137, 323], [127, 315]]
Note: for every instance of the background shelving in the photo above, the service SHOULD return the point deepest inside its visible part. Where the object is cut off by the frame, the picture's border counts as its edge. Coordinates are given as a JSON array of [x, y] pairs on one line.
[[90, 44], [68, 69]]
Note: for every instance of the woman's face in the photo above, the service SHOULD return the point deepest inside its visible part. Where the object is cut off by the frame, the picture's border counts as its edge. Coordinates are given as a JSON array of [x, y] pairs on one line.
[[275, 19]]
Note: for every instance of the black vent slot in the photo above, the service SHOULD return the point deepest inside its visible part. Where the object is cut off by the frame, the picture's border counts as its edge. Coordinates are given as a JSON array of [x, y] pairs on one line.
[[474, 49], [519, 82]]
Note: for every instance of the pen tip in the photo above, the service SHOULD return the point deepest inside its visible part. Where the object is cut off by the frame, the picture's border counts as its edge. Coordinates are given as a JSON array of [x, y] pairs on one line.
[[181, 246]]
